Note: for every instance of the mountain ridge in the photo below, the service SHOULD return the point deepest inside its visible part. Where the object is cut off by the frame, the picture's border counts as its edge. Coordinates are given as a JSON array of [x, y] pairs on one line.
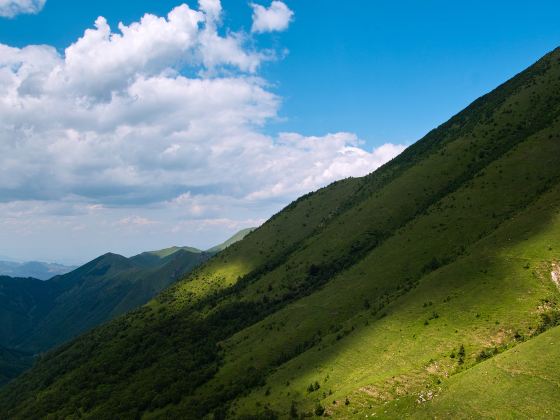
[[36, 269], [37, 315]]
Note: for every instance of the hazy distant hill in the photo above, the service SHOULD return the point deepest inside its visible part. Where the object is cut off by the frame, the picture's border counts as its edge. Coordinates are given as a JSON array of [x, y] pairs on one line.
[[235, 238], [425, 289], [154, 258], [35, 269]]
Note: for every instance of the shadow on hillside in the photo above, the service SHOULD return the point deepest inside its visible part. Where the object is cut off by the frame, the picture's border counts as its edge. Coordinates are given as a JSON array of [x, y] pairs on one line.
[[483, 299]]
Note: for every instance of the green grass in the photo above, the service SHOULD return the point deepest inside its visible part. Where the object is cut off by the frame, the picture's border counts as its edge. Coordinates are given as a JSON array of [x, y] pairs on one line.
[[524, 380], [369, 288]]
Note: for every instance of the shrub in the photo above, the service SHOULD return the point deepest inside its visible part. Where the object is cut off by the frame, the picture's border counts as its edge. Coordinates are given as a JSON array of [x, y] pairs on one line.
[[486, 354], [461, 353], [319, 410], [293, 410]]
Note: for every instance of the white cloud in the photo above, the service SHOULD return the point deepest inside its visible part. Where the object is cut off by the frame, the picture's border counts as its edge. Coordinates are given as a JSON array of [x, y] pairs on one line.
[[135, 221], [161, 122], [277, 17], [212, 9], [11, 8]]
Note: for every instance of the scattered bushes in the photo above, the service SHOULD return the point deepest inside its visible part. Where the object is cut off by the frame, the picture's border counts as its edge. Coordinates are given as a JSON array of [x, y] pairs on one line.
[[313, 387]]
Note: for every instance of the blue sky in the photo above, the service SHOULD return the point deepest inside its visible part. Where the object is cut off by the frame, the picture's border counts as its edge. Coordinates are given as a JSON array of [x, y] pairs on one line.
[[335, 90], [387, 70]]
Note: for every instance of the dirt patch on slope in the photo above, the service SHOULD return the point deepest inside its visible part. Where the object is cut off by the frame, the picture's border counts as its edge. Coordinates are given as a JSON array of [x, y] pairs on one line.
[[555, 274]]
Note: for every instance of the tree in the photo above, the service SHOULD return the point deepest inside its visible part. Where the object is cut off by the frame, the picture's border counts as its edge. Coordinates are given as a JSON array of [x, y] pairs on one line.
[[293, 410]]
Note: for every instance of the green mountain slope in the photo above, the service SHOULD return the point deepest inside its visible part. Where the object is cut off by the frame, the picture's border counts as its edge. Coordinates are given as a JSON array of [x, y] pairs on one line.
[[36, 316], [366, 293], [23, 303], [12, 363], [102, 289], [155, 258]]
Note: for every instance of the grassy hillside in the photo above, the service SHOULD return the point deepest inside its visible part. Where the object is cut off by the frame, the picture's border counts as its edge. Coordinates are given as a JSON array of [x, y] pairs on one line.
[[522, 379], [363, 297]]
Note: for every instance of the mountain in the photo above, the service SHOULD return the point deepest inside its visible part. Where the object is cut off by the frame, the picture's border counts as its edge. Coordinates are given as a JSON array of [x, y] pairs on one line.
[[101, 290], [154, 258], [430, 282], [235, 238], [24, 302], [35, 269], [36, 315], [12, 363]]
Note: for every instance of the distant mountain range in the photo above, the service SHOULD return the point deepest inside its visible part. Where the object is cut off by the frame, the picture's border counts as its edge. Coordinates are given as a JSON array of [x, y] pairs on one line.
[[35, 269], [44, 270], [427, 289], [38, 315]]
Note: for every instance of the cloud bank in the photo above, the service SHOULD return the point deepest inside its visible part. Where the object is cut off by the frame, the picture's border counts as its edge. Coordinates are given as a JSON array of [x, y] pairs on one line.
[[11, 8], [156, 125]]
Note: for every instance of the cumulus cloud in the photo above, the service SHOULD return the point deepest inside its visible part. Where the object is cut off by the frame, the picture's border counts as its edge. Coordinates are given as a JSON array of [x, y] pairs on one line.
[[11, 8], [161, 120], [212, 9], [276, 17]]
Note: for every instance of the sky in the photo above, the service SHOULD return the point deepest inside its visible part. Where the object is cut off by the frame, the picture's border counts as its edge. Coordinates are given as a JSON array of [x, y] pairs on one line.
[[134, 125]]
